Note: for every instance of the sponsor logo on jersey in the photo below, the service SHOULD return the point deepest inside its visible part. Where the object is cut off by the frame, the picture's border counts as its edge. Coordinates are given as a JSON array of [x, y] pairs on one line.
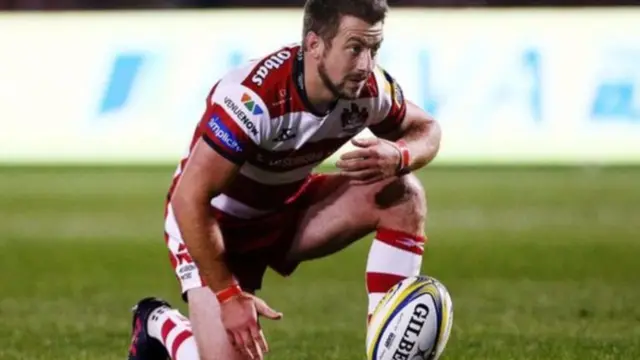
[[284, 135], [293, 161], [410, 335], [354, 118], [222, 133], [283, 98], [272, 62], [244, 119], [251, 105]]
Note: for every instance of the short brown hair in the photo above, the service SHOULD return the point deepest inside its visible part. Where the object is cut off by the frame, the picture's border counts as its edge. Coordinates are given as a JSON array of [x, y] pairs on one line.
[[323, 16]]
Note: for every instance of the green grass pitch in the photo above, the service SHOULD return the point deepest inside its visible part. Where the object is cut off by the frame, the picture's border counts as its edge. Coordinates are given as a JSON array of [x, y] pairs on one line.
[[541, 264]]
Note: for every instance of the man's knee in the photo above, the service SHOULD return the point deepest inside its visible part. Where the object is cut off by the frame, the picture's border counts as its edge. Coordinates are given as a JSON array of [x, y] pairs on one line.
[[404, 198]]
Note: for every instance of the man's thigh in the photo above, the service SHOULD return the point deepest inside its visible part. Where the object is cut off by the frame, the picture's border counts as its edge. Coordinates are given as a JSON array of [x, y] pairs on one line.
[[341, 213], [211, 337]]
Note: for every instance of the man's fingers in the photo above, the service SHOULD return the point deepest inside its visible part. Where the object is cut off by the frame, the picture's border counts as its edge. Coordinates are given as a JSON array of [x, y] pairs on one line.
[[237, 342], [248, 344], [232, 339], [354, 165], [365, 142], [265, 310], [256, 349], [258, 338], [358, 154]]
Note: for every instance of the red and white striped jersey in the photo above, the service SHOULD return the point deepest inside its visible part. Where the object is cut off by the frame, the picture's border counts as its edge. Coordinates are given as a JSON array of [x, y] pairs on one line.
[[258, 116]]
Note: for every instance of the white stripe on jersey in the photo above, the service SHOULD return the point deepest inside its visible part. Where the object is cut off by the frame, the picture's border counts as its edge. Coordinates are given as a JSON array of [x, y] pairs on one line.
[[235, 208], [302, 128], [171, 225]]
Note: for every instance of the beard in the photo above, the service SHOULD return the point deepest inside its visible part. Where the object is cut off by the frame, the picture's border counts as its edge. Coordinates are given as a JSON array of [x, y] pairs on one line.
[[338, 89]]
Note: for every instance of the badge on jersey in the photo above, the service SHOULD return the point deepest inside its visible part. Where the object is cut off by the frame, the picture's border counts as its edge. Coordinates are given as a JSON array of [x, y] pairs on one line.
[[223, 135], [354, 118], [238, 112]]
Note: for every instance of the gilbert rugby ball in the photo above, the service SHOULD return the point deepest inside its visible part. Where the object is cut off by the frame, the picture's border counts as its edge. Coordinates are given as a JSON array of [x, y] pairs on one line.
[[411, 322]]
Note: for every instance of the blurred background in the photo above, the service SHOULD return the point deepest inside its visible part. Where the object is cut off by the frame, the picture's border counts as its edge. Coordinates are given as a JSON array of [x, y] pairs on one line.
[[534, 199]]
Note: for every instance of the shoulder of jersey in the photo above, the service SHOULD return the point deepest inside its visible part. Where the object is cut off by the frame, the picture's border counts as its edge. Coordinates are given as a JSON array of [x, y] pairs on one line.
[[249, 92], [272, 68], [388, 88], [268, 78]]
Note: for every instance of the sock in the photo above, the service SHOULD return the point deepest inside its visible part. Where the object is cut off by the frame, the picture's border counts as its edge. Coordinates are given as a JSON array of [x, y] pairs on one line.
[[173, 330], [393, 256]]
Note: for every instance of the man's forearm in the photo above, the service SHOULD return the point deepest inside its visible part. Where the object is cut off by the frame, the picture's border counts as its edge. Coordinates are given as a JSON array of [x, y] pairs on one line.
[[423, 141], [202, 236]]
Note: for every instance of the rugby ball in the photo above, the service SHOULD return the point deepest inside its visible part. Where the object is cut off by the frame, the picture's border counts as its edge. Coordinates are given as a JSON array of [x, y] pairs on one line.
[[411, 322]]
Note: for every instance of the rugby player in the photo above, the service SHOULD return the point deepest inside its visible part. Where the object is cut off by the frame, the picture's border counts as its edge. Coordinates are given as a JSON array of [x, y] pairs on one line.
[[246, 198]]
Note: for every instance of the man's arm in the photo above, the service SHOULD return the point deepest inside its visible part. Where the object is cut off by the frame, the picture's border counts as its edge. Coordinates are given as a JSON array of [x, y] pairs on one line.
[[206, 175], [421, 134], [228, 139], [407, 125]]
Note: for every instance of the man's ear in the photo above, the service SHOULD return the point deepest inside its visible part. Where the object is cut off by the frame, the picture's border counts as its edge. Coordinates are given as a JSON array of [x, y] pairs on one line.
[[314, 45]]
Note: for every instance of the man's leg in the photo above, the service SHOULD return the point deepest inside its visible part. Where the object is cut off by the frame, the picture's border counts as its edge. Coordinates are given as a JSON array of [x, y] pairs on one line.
[[173, 331], [342, 213]]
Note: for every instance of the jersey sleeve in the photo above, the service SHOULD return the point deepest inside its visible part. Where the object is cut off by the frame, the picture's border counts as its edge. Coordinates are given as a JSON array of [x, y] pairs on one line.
[[231, 123], [392, 106]]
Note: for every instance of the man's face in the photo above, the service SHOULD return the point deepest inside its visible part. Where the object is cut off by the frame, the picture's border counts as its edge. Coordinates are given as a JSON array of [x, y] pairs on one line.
[[349, 59]]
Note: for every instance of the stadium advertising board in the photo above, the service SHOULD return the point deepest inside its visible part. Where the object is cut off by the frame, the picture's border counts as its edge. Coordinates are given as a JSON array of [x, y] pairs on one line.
[[557, 86]]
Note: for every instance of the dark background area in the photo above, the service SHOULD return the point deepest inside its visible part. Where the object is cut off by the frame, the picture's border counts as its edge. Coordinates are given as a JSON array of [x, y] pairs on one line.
[[61, 5]]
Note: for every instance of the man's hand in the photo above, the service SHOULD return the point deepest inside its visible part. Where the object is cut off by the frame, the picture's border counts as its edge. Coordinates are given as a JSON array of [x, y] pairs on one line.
[[240, 319], [375, 159]]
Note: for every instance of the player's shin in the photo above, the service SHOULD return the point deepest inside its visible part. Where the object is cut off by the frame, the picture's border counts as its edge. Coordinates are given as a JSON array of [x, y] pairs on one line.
[[394, 256], [173, 330]]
